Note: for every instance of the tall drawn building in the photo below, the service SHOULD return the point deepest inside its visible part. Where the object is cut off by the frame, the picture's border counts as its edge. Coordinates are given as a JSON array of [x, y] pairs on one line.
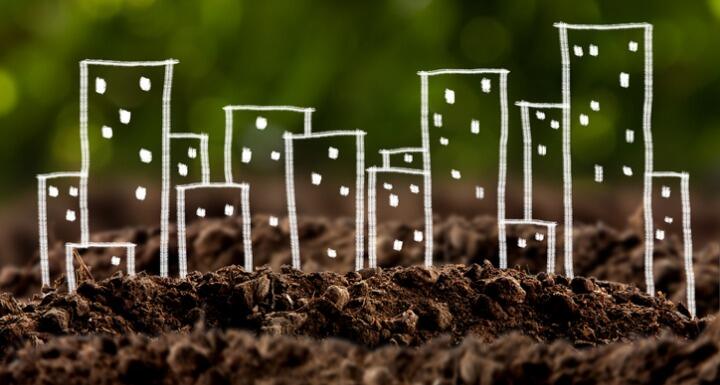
[[464, 121], [607, 140], [125, 118]]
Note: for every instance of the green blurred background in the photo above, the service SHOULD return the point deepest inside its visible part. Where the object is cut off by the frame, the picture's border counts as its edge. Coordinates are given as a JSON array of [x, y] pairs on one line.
[[355, 62]]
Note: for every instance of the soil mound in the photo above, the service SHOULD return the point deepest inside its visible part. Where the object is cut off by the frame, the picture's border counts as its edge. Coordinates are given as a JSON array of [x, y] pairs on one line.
[[406, 306]]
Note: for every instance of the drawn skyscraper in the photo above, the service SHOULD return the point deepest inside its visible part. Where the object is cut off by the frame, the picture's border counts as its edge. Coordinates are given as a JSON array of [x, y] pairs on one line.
[[607, 141], [464, 118], [125, 115]]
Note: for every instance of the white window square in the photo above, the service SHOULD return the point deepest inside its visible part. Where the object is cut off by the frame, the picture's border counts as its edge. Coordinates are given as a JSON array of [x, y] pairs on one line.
[[100, 85], [408, 158], [539, 237], [393, 200], [145, 155], [449, 96], [455, 174], [316, 178], [229, 210], [344, 191], [418, 236], [578, 51], [630, 136], [437, 120], [444, 141], [73, 191], [332, 253], [397, 245], [475, 126], [541, 150], [595, 105], [333, 152], [273, 221], [668, 220], [200, 212], [107, 132], [387, 186], [260, 123], [70, 216], [665, 192], [414, 189], [584, 120], [144, 83], [554, 124], [624, 80], [599, 173], [479, 192], [115, 260], [246, 155], [659, 234], [53, 191], [632, 46], [275, 155], [486, 85], [540, 115], [125, 116], [593, 50], [182, 169], [627, 171], [192, 152], [140, 193], [522, 243]]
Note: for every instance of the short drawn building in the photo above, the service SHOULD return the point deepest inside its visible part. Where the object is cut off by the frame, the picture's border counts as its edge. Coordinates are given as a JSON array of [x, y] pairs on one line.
[[327, 169], [671, 219], [120, 255], [396, 224], [543, 160], [199, 201], [255, 153], [531, 239], [406, 157], [59, 219]]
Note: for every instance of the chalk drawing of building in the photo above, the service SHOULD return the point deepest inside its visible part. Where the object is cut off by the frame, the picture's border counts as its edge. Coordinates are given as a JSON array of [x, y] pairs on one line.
[[542, 154], [465, 112], [58, 206], [328, 168], [671, 218], [122, 253], [395, 198], [235, 202], [607, 139], [120, 121]]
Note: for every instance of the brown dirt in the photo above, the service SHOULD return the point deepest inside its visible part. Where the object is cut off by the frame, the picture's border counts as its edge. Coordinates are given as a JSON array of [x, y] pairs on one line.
[[235, 357], [404, 306], [600, 251]]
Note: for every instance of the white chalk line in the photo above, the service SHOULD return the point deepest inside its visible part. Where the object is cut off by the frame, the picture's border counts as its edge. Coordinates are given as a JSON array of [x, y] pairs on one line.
[[427, 180], [567, 160]]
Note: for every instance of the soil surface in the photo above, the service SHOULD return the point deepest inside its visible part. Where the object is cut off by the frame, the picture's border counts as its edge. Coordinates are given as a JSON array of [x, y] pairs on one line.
[[235, 357], [463, 321], [600, 251]]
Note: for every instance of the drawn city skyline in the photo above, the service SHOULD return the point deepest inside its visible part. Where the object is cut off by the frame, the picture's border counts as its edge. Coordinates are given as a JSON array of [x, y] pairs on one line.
[[441, 126]]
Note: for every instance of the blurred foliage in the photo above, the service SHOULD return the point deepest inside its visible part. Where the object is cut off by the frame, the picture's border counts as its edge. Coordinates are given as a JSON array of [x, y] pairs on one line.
[[355, 62]]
